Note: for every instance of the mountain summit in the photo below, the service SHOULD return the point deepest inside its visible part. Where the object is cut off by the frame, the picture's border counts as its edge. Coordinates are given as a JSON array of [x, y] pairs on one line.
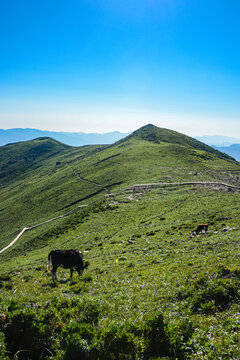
[[158, 135]]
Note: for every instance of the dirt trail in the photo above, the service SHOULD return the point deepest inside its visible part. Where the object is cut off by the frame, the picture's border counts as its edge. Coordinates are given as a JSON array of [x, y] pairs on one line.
[[89, 181], [36, 225], [207, 183], [131, 188], [16, 238]]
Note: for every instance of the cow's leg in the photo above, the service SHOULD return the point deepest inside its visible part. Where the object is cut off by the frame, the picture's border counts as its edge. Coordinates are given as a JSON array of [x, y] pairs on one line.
[[71, 272], [54, 273], [80, 271]]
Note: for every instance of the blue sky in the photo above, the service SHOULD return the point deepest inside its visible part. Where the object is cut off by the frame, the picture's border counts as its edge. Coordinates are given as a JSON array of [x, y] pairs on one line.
[[103, 65]]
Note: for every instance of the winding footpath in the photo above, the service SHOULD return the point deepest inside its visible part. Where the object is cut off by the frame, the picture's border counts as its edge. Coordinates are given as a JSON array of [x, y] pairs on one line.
[[131, 188], [206, 183], [90, 181], [34, 226]]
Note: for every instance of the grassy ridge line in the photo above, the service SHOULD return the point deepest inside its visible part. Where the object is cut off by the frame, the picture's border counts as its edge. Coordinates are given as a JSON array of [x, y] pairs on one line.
[[133, 187]]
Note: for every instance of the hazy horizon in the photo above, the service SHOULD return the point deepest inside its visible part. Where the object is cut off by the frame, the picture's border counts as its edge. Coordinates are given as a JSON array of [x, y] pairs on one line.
[[107, 66], [113, 131]]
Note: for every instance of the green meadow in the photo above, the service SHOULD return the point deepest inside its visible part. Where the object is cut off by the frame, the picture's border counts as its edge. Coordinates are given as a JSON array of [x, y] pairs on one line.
[[153, 288]]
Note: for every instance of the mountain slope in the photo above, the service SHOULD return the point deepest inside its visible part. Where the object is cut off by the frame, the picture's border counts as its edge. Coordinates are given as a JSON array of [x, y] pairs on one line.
[[42, 179], [150, 280], [18, 158]]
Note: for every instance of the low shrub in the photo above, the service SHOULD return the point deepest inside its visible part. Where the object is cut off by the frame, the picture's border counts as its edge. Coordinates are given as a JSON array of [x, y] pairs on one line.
[[76, 338], [79, 288], [68, 329], [119, 343], [25, 332], [3, 354], [156, 339], [180, 333], [76, 349], [212, 292], [90, 311], [226, 271]]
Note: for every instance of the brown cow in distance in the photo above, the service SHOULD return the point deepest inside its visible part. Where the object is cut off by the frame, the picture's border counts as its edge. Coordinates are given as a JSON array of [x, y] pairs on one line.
[[201, 227], [68, 259]]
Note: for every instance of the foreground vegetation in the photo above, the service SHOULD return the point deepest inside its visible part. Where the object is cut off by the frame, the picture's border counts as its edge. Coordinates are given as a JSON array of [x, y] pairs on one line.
[[153, 289], [150, 291]]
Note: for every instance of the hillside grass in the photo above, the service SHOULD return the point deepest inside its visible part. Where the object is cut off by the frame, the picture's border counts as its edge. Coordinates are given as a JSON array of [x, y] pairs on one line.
[[153, 289], [54, 187], [144, 267]]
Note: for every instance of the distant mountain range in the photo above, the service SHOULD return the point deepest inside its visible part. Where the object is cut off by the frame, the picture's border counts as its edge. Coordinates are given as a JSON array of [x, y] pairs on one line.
[[232, 150], [69, 138], [218, 140], [228, 145]]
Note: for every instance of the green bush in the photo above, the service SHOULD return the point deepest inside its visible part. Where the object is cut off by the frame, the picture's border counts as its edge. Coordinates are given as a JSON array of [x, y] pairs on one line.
[[69, 329], [27, 335], [119, 343], [217, 296], [167, 340], [79, 288], [89, 311], [76, 339], [226, 271], [156, 338], [76, 349], [180, 333], [3, 354], [212, 292]]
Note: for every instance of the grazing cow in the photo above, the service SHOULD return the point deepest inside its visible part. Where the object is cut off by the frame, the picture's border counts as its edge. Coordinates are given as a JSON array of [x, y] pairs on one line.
[[68, 259], [201, 227]]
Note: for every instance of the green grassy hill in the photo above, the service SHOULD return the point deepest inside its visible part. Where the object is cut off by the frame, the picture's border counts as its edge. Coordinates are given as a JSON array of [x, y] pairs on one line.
[[20, 159], [153, 290], [44, 178], [160, 135]]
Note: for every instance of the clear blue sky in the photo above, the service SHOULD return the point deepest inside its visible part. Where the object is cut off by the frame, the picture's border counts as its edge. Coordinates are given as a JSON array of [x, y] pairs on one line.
[[103, 65]]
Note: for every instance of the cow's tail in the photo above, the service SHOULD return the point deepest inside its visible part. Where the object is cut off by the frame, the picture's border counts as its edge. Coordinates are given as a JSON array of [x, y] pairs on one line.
[[49, 260]]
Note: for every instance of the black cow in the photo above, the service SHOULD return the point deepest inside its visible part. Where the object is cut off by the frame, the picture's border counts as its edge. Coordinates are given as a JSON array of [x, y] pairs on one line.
[[68, 259], [201, 228]]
